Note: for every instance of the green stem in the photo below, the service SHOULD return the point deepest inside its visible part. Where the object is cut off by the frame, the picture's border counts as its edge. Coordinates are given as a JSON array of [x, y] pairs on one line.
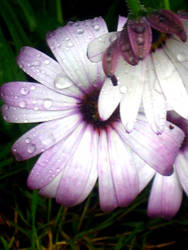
[[135, 7], [167, 4]]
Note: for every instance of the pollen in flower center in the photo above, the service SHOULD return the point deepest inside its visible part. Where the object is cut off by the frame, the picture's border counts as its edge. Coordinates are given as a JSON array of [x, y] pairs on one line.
[[158, 39], [89, 110]]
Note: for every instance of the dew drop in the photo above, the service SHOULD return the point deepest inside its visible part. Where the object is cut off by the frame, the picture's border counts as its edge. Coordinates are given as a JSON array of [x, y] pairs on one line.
[[27, 140], [48, 140], [96, 27], [22, 104], [47, 62], [123, 89], [47, 103], [70, 44], [180, 58], [31, 148], [80, 31], [62, 82], [36, 63], [32, 88], [24, 91]]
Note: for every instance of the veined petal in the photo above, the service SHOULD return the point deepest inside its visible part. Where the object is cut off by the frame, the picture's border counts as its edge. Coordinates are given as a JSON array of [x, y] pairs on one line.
[[69, 45], [45, 70], [35, 96], [76, 183], [107, 195], [98, 46], [22, 115], [145, 144], [153, 99], [182, 170], [109, 99], [44, 136], [123, 170], [171, 83], [131, 83], [121, 22], [54, 160], [165, 197]]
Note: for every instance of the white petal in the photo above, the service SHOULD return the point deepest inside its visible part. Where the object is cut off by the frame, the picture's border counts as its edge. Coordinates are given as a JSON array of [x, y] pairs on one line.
[[109, 99], [76, 182], [121, 22], [107, 196], [124, 172], [44, 136], [166, 196], [182, 170], [69, 45], [153, 99], [97, 47], [171, 83], [131, 83]]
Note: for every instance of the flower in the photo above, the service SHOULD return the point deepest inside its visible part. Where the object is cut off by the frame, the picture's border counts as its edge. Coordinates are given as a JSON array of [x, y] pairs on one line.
[[166, 192], [159, 82], [77, 146]]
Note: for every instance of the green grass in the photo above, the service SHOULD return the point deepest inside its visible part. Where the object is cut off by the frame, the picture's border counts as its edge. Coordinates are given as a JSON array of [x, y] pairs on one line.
[[28, 221]]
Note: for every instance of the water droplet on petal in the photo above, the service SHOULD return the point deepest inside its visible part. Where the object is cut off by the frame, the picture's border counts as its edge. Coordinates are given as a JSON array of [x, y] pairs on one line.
[[36, 63], [27, 140], [123, 89], [70, 44], [31, 148], [22, 104], [80, 31], [24, 91], [49, 140], [96, 27], [47, 62], [62, 82], [180, 58], [32, 88], [47, 103]]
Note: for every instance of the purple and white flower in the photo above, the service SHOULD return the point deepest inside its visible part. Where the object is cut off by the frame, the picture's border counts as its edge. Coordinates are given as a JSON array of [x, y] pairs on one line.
[[166, 193], [77, 146], [156, 84]]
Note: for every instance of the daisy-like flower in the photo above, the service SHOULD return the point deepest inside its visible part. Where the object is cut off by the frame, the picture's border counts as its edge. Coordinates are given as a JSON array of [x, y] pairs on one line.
[[159, 82], [166, 193], [77, 146]]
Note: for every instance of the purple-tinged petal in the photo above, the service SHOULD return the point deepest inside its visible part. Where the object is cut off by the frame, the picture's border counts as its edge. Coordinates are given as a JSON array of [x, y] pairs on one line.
[[107, 195], [171, 83], [124, 173], [44, 136], [126, 49], [109, 99], [131, 84], [154, 102], [99, 45], [121, 22], [145, 172], [168, 22], [183, 15], [69, 45], [50, 189], [165, 197], [54, 160], [22, 115], [140, 37], [158, 151], [110, 60], [181, 165], [35, 96], [76, 182]]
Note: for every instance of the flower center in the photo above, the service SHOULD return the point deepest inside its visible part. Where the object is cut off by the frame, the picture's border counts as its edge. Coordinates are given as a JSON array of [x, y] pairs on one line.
[[158, 39], [89, 110]]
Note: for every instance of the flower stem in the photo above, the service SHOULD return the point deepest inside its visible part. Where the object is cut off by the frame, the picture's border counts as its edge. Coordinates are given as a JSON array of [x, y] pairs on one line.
[[167, 4], [135, 7]]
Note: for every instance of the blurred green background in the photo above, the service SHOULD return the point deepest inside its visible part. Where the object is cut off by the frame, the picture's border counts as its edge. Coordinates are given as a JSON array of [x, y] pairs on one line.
[[28, 221]]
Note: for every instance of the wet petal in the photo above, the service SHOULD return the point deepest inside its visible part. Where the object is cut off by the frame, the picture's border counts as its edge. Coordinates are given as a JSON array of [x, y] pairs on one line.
[[165, 197], [34, 96], [124, 172], [171, 83], [109, 99], [145, 144], [44, 136], [140, 36], [107, 195], [154, 101], [54, 160], [22, 115], [131, 83], [69, 45], [76, 182], [98, 46], [168, 22], [182, 169]]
